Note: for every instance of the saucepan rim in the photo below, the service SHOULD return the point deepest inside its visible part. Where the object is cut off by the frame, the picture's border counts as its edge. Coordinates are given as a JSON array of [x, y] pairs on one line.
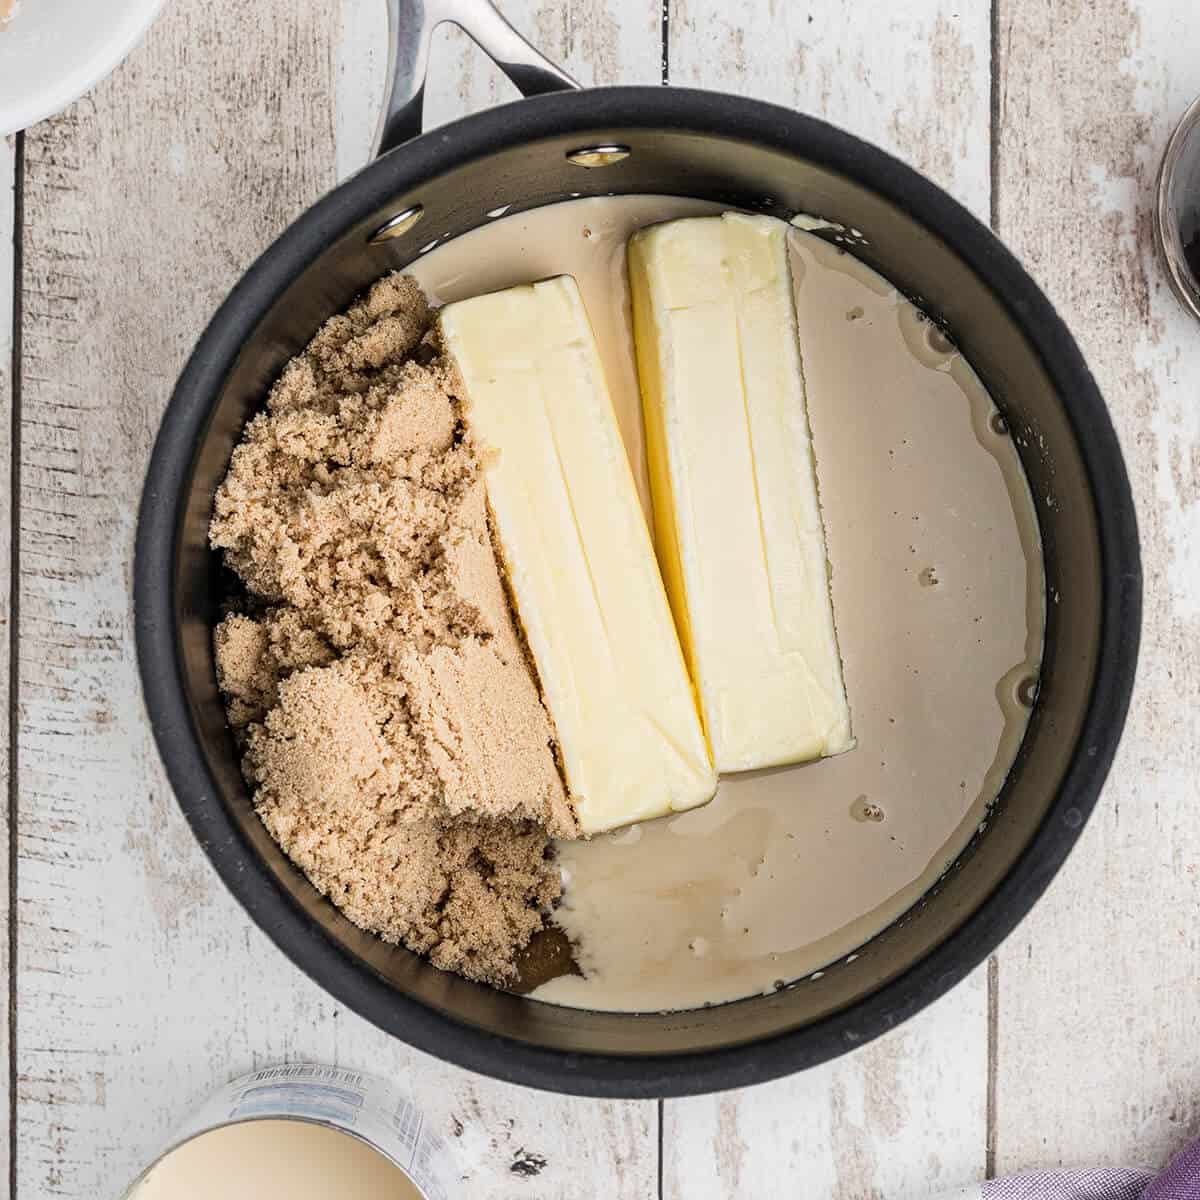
[[160, 527]]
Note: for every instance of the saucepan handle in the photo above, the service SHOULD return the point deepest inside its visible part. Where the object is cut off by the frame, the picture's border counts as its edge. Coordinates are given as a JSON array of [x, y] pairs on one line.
[[411, 25]]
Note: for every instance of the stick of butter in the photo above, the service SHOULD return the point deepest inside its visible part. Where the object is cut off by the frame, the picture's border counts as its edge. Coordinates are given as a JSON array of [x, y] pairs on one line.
[[736, 515], [578, 554]]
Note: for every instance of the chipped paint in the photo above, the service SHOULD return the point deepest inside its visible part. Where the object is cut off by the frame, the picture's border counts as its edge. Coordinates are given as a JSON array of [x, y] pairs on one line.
[[528, 1164], [1088, 94]]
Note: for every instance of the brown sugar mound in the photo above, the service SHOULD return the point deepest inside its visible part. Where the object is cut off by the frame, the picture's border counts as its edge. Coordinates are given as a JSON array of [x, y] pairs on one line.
[[390, 720]]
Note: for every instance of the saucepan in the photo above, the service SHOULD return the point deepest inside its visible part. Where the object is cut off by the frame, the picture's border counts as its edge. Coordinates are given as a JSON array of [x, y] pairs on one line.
[[561, 141]]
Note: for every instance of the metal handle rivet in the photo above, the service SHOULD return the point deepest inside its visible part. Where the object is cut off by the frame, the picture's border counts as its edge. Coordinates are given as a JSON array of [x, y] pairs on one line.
[[598, 156], [401, 223]]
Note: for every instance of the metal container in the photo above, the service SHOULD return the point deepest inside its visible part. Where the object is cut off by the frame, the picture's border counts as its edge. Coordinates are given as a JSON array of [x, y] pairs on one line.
[[1177, 209], [348, 1102], [743, 154]]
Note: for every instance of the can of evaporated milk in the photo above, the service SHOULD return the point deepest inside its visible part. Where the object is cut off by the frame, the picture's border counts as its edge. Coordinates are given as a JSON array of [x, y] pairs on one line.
[[307, 1132]]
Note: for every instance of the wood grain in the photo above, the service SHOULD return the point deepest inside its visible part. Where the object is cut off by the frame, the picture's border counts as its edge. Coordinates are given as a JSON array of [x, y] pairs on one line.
[[142, 984], [907, 1114], [913, 78], [904, 1117], [1098, 1048], [141, 210], [8, 284]]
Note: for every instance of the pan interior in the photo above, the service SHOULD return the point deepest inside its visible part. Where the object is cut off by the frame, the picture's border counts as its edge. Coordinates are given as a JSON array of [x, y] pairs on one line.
[[734, 173], [924, 501]]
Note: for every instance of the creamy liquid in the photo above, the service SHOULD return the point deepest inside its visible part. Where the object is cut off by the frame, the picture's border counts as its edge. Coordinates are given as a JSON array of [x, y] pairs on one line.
[[938, 595], [275, 1160]]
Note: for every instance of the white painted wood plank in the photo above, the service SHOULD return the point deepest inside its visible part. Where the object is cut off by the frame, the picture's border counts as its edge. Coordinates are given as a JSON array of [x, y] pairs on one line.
[[907, 1114], [142, 984], [902, 1119], [1098, 1048], [361, 68], [913, 78], [142, 209], [7, 285]]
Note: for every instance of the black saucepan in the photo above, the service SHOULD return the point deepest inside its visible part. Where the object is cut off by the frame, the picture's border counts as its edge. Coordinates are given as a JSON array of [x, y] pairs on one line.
[[556, 143]]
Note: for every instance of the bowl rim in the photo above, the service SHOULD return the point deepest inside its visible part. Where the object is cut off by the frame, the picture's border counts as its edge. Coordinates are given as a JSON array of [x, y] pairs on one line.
[[247, 877], [59, 92]]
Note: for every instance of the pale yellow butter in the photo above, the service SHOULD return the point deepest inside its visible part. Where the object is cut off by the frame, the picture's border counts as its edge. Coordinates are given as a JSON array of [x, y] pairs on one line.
[[737, 519], [578, 554]]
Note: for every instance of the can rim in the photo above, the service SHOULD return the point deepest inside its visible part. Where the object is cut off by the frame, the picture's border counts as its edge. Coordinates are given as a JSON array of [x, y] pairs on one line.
[[131, 1191]]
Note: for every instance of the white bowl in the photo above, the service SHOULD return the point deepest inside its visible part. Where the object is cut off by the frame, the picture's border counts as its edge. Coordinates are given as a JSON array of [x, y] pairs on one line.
[[52, 51]]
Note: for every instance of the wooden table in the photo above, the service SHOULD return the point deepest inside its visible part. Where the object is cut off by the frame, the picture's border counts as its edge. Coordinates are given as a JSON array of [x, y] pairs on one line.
[[137, 983]]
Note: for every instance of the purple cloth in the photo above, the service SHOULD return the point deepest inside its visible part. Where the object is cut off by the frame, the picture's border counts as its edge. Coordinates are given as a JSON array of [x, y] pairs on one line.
[[1098, 1183], [1180, 1181]]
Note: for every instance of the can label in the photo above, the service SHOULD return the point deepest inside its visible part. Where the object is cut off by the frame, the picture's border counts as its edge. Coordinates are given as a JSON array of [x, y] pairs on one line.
[[337, 1098]]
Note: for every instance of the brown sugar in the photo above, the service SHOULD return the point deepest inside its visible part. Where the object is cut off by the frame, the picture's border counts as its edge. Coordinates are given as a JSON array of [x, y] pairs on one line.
[[390, 720]]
